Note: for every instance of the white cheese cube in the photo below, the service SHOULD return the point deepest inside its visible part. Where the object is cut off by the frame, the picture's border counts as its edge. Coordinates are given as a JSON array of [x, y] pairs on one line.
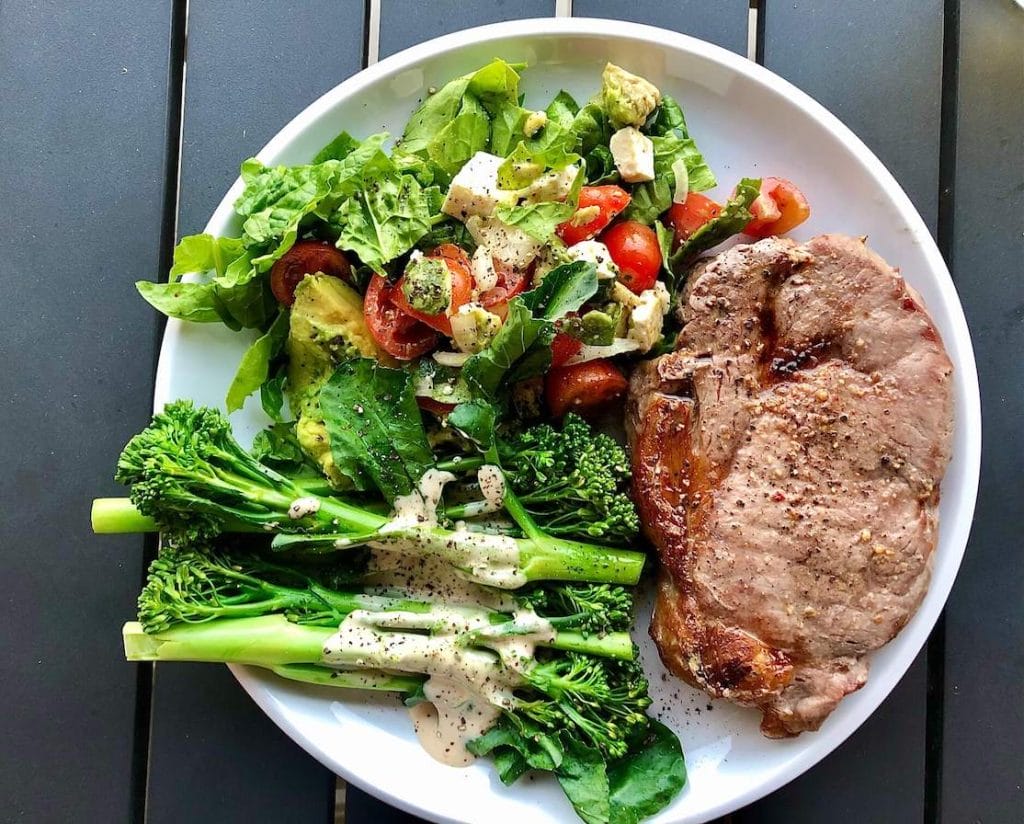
[[484, 275], [508, 244], [648, 316], [633, 154], [474, 190], [593, 251], [551, 186]]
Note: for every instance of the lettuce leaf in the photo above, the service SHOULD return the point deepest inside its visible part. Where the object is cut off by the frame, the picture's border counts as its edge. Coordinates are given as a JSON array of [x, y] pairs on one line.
[[655, 197], [540, 220], [277, 199], [454, 123], [385, 217], [254, 367], [667, 130]]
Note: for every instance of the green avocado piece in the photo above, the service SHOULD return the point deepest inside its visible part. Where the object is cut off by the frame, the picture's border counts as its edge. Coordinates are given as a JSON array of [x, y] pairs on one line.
[[326, 328], [628, 98], [427, 285]]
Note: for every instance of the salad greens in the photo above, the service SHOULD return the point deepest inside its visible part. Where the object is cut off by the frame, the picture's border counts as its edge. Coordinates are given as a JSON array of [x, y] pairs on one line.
[[428, 316]]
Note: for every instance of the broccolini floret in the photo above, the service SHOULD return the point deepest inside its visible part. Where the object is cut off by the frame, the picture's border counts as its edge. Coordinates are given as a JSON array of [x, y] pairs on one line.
[[572, 480], [189, 475]]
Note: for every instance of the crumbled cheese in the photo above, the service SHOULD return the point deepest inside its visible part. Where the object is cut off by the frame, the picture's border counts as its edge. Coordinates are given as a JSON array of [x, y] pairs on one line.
[[593, 251], [475, 190], [508, 244], [633, 153], [647, 317]]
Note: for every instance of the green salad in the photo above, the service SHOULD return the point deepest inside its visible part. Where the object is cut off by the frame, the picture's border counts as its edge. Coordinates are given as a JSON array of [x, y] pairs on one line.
[[431, 511]]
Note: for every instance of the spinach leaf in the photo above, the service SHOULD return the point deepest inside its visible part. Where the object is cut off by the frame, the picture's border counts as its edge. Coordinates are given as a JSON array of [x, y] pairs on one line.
[[476, 420], [486, 370], [254, 367], [522, 347], [564, 289], [584, 781], [732, 220], [373, 422], [646, 780]]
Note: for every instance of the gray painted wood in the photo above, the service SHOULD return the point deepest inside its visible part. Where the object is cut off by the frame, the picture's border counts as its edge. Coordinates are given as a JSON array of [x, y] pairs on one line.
[[82, 149], [878, 67], [983, 754], [405, 23], [251, 67], [723, 22]]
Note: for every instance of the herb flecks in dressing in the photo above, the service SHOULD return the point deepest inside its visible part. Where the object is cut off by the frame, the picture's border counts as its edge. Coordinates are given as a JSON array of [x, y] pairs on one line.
[[473, 665]]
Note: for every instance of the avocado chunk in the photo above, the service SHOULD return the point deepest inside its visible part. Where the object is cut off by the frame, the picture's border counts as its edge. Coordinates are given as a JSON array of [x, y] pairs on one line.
[[327, 327], [628, 98], [427, 285], [594, 328]]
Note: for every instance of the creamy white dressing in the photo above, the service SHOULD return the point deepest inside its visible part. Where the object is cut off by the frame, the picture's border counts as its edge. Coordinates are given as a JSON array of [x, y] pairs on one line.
[[492, 560], [468, 685], [419, 507], [430, 578], [301, 507]]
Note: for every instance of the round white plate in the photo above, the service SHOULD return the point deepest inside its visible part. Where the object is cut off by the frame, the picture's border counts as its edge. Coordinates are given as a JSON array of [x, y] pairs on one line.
[[747, 121]]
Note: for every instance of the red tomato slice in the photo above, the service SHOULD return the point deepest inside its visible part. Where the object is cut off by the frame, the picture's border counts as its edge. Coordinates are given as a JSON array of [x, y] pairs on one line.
[[635, 250], [400, 335], [583, 387], [564, 347], [306, 257], [610, 200], [438, 408], [510, 283], [462, 288], [686, 218], [780, 208]]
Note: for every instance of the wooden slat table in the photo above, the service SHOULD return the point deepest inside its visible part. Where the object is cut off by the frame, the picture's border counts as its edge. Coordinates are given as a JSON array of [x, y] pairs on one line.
[[109, 150]]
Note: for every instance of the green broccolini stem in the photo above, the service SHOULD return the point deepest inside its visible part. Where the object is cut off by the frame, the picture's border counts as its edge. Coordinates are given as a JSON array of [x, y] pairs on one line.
[[360, 680], [119, 515]]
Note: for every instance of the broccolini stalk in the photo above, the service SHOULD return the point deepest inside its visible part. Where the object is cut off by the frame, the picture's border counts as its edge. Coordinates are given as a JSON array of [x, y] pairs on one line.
[[189, 475], [603, 699], [199, 587]]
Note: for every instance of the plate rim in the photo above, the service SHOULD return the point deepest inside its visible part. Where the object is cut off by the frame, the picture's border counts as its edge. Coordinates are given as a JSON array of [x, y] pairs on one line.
[[969, 409]]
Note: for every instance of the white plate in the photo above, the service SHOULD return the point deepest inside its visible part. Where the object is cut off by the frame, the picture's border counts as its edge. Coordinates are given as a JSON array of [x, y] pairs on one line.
[[747, 121]]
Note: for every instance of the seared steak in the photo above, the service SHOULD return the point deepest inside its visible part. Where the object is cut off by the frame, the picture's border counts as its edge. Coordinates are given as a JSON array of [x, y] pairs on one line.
[[787, 459]]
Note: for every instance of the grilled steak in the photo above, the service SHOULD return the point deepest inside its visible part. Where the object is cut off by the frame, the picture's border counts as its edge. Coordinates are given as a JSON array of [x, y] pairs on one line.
[[787, 459]]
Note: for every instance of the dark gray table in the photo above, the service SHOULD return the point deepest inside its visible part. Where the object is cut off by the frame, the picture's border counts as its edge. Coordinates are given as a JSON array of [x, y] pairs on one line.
[[108, 152]]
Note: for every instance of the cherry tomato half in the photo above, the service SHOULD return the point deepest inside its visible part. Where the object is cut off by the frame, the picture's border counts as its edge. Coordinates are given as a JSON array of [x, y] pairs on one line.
[[510, 283], [583, 387], [306, 257], [462, 288], [780, 208], [609, 200], [400, 335], [686, 218], [439, 408], [563, 348], [634, 248]]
